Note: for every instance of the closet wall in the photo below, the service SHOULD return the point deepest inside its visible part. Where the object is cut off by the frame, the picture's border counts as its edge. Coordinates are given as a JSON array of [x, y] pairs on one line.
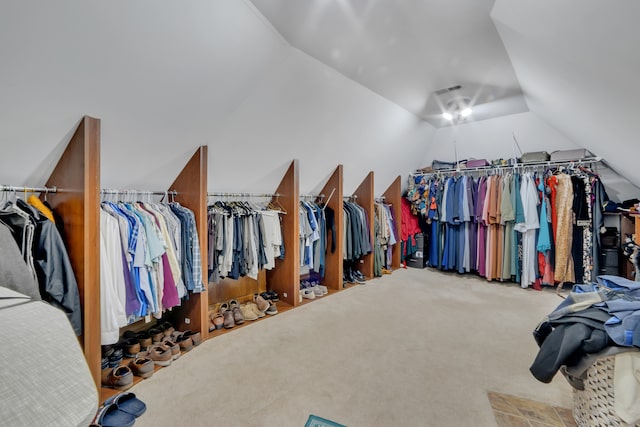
[[365, 198]]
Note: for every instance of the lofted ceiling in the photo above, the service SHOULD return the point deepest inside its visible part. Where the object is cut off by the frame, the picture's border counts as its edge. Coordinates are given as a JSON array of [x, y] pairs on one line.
[[408, 51], [572, 63]]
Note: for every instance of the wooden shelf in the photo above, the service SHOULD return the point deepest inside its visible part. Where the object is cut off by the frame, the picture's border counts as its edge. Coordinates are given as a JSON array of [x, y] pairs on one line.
[[393, 196], [334, 266], [77, 177], [285, 277]]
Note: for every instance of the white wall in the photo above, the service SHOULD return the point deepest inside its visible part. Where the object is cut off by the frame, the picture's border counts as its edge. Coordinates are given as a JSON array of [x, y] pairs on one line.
[[166, 77], [309, 111], [493, 138]]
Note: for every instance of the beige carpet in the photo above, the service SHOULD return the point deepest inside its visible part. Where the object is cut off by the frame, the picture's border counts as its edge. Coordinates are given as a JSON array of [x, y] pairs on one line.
[[416, 348]]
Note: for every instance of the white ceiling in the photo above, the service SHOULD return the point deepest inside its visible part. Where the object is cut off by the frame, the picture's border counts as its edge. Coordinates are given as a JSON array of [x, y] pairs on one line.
[[406, 50]]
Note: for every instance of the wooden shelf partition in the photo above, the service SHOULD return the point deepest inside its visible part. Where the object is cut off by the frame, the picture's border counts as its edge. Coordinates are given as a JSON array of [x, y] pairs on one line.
[[365, 199], [77, 178], [393, 196], [191, 188], [285, 277], [334, 265]]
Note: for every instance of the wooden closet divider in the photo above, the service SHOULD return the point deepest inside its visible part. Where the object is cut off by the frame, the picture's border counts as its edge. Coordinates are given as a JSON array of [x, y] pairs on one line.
[[285, 277], [77, 178], [191, 189], [334, 265], [393, 196], [365, 199]]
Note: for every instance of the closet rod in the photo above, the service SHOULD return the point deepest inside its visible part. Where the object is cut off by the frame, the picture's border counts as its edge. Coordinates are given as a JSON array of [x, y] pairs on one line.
[[353, 197], [380, 199], [311, 196], [588, 160], [243, 194], [28, 189], [139, 192]]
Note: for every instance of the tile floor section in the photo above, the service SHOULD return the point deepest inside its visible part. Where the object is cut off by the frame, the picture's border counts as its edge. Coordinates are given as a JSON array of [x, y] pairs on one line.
[[512, 411]]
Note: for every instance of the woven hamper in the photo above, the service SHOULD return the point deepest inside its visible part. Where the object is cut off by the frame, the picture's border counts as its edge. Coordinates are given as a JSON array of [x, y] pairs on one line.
[[595, 405]]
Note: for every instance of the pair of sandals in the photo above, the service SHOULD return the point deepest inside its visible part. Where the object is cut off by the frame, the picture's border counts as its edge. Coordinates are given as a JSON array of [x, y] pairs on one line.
[[120, 411]]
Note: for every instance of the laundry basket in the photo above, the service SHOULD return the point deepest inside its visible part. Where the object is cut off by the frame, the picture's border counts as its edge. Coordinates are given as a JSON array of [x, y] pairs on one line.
[[594, 406]]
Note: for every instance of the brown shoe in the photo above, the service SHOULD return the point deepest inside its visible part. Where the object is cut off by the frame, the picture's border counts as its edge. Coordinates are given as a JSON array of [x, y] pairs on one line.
[[262, 303], [131, 347], [184, 341], [174, 347], [196, 337], [160, 355], [228, 319], [142, 367], [238, 317], [120, 378], [156, 335]]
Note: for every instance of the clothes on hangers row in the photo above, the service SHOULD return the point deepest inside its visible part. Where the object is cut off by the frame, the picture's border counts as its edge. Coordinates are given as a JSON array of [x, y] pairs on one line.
[[357, 238], [243, 239], [316, 221], [33, 257], [149, 260], [385, 232], [532, 228]]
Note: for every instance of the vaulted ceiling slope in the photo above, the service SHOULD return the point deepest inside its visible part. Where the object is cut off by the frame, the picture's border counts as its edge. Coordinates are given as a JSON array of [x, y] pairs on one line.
[[572, 63], [407, 51], [578, 63], [166, 77]]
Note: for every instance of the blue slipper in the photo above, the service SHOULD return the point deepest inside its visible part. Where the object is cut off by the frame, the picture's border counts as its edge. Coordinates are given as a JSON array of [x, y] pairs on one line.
[[111, 416], [129, 403]]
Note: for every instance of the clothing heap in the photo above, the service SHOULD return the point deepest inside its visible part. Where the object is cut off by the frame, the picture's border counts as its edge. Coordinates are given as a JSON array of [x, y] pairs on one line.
[[532, 228], [595, 321], [385, 232], [243, 239], [315, 223], [33, 257], [149, 260]]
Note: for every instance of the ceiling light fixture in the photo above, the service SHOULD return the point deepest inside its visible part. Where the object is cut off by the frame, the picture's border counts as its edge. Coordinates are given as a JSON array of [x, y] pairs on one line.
[[458, 109]]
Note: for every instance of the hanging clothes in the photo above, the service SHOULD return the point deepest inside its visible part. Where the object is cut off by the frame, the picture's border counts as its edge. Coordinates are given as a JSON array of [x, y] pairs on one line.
[[45, 257], [535, 229], [385, 237], [243, 239]]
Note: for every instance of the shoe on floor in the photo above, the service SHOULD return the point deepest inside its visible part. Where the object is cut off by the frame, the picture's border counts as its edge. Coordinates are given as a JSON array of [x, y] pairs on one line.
[[238, 318], [160, 354], [247, 312], [262, 303], [307, 293], [218, 320], [196, 337], [273, 309], [317, 291], [120, 378], [142, 367], [228, 319], [255, 309], [129, 403], [173, 346], [324, 289]]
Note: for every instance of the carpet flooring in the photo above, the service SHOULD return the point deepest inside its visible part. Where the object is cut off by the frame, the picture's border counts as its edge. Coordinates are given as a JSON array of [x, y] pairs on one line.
[[414, 348]]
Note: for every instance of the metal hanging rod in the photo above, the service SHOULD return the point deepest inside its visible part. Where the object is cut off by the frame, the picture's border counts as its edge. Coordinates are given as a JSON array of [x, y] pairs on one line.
[[139, 192], [548, 163], [311, 196], [217, 194], [353, 197], [380, 199], [28, 189]]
